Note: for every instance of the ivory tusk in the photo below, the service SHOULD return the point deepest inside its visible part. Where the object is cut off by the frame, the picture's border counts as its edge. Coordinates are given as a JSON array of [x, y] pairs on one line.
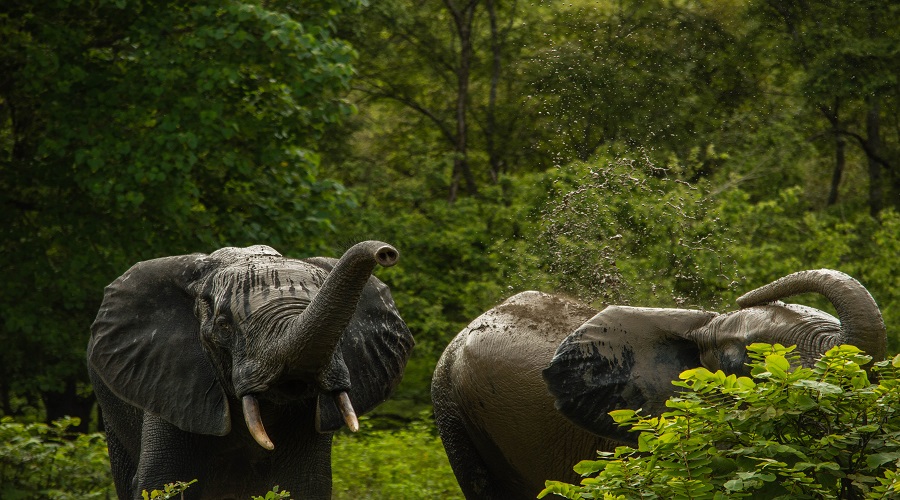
[[254, 422], [343, 401]]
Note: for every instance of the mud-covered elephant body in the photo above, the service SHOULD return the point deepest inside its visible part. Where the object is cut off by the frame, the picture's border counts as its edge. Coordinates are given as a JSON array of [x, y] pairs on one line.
[[235, 368], [496, 419], [513, 410]]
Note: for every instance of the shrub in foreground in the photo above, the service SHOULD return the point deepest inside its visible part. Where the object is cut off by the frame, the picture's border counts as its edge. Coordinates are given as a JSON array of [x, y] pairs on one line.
[[823, 432], [39, 461]]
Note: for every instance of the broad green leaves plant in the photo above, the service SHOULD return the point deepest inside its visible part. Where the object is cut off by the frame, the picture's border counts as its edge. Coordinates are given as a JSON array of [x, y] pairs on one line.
[[40, 461], [829, 431]]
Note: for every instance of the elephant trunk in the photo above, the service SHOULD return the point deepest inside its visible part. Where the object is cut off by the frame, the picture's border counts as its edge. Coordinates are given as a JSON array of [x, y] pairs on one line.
[[316, 332], [313, 337], [861, 321]]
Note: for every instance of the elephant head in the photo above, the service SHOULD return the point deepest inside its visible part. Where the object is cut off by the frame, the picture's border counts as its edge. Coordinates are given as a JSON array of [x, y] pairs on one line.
[[626, 357], [183, 336]]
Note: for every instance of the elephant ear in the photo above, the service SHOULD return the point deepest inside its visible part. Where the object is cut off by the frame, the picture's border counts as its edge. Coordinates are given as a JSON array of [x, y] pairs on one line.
[[375, 347], [145, 346], [624, 357]]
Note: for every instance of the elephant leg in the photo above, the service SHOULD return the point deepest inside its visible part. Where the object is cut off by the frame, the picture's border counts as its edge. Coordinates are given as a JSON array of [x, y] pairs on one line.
[[302, 457], [122, 423], [471, 471], [123, 468], [168, 455]]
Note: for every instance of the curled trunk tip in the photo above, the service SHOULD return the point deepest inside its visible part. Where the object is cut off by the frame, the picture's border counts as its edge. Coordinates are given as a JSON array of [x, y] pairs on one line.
[[861, 321]]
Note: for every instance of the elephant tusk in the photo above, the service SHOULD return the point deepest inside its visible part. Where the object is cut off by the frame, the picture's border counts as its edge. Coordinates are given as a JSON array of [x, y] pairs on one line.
[[254, 422], [343, 401]]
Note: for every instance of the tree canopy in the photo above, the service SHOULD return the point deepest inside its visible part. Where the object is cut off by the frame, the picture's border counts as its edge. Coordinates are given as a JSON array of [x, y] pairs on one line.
[[131, 130]]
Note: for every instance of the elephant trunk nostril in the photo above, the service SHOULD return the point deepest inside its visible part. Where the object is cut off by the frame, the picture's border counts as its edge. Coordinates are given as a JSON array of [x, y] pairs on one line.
[[387, 256]]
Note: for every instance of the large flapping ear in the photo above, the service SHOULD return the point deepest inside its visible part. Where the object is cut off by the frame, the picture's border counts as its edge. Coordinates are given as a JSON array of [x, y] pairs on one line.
[[624, 357], [375, 347], [145, 346]]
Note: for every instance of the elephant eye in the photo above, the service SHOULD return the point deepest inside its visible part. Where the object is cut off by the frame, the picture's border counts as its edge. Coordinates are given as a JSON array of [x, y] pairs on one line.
[[223, 326]]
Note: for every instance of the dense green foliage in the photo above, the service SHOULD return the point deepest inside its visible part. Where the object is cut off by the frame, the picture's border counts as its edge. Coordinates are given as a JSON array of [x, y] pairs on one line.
[[405, 464], [820, 432], [39, 461], [653, 153]]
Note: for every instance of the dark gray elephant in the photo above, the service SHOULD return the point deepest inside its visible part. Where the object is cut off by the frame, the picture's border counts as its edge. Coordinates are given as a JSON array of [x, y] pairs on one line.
[[506, 433], [235, 368]]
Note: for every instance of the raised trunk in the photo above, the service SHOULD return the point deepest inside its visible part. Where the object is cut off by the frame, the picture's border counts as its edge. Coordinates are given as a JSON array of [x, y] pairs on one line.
[[317, 331], [861, 321]]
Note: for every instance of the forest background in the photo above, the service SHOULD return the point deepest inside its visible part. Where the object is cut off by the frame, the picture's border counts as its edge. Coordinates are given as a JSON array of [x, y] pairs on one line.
[[654, 153]]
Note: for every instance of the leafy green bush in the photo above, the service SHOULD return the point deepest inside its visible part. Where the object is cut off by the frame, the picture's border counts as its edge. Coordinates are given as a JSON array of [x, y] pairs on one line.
[[402, 464], [171, 490], [176, 490], [821, 432], [39, 461]]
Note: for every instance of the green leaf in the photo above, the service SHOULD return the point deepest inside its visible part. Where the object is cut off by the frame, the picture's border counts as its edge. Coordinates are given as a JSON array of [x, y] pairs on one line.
[[778, 365], [803, 401], [876, 460], [819, 386], [559, 488], [622, 416], [734, 484], [586, 467]]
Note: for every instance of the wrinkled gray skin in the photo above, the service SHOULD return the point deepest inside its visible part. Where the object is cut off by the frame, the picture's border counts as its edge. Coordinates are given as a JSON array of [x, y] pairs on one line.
[[235, 368], [505, 433]]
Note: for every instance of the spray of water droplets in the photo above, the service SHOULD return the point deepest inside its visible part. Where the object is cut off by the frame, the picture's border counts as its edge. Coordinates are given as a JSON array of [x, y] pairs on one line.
[[628, 232]]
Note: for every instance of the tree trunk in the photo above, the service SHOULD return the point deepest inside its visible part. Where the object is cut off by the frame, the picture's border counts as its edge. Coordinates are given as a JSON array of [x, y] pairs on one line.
[[5, 403], [839, 162], [462, 18], [840, 145], [68, 403], [491, 129], [873, 147]]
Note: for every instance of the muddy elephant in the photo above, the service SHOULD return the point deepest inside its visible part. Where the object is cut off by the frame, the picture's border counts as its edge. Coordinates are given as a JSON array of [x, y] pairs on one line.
[[236, 367], [523, 392]]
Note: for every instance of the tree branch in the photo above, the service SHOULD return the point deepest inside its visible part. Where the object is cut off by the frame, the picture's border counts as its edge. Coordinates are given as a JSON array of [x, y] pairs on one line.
[[412, 104], [863, 144]]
